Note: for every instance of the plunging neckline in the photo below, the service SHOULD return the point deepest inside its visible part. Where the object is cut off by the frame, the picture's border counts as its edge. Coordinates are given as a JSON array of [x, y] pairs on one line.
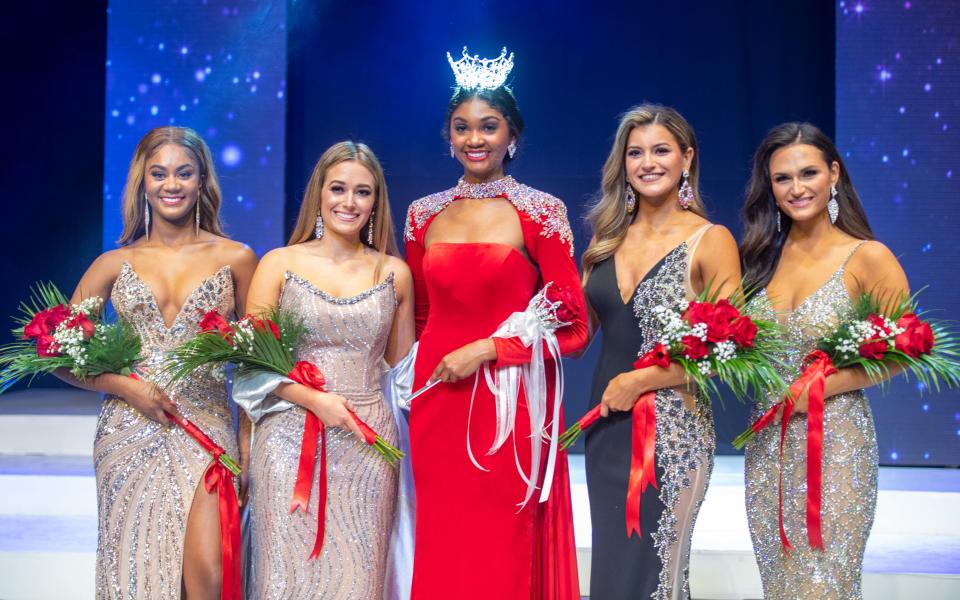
[[656, 267], [153, 297]]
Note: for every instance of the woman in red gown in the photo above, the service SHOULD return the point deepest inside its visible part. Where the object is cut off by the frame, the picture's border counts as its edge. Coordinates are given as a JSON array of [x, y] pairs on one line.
[[479, 252]]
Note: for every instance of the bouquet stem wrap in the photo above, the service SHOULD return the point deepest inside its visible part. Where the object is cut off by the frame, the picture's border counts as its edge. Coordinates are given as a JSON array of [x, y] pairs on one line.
[[535, 329], [817, 367], [219, 477]]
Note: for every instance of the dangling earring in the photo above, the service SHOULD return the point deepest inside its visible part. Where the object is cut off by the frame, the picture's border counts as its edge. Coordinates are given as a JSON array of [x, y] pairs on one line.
[[512, 149], [146, 215], [833, 207], [685, 197], [778, 220], [453, 154], [370, 229], [630, 199], [318, 228], [196, 226]]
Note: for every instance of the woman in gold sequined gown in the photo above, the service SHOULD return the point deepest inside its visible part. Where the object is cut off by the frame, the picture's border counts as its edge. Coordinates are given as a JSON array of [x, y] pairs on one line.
[[340, 274], [159, 532], [808, 249]]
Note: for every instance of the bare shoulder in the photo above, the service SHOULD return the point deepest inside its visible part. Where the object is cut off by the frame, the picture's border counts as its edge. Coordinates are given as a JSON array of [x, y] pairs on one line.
[[718, 235], [234, 253], [401, 272], [874, 265], [108, 264]]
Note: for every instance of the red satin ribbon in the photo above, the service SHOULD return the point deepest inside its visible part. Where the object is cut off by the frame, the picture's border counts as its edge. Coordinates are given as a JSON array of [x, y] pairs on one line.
[[644, 441], [219, 477], [817, 367]]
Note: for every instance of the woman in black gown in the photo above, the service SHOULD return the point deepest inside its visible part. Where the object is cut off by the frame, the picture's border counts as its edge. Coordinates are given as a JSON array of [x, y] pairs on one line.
[[652, 245]]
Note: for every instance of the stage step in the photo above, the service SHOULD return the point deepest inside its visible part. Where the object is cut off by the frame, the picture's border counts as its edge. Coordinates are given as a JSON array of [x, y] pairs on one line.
[[48, 516]]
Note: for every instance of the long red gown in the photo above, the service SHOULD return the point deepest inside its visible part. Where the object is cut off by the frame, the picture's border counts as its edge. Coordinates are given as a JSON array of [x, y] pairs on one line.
[[472, 540]]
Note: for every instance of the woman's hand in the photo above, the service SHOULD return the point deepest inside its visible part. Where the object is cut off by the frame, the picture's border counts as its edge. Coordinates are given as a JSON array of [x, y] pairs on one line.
[[334, 410], [622, 392], [464, 361], [148, 399]]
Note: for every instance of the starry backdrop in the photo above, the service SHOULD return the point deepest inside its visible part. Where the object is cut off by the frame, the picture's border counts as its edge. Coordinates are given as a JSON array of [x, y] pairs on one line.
[[898, 126]]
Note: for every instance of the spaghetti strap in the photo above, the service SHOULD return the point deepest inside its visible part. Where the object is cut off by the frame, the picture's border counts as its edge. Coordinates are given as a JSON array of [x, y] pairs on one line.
[[692, 243], [853, 250]]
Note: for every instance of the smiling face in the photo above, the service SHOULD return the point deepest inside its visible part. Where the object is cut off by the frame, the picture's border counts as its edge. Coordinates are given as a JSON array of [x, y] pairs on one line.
[[347, 198], [801, 181], [480, 136], [654, 161], [172, 183]]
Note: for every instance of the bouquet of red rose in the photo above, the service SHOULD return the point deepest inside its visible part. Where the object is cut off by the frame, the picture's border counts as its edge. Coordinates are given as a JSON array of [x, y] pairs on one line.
[[705, 337], [266, 344], [876, 335]]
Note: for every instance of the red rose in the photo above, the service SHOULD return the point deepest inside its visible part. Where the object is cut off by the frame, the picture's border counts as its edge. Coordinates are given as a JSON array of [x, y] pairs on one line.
[[917, 337], [47, 346], [878, 322], [874, 350], [308, 374], [718, 328], [214, 321], [659, 356], [743, 331], [694, 347], [726, 310], [568, 299], [82, 322], [698, 312], [273, 328], [45, 321]]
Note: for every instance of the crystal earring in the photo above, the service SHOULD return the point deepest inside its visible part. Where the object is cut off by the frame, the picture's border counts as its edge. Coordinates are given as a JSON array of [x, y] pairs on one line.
[[370, 229], [318, 228], [778, 220], [685, 197], [146, 215], [196, 225], [833, 207], [630, 199], [453, 154], [512, 149]]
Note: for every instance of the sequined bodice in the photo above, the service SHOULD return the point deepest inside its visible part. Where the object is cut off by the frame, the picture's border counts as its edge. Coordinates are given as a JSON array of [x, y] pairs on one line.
[[346, 337], [135, 303], [665, 285]]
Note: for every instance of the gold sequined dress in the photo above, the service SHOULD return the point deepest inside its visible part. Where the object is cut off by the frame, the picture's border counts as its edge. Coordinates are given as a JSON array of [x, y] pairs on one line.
[[850, 461], [346, 339], [147, 473]]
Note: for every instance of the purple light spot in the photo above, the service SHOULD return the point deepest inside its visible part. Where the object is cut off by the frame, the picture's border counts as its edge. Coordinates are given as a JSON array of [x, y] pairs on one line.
[[905, 152], [939, 61], [925, 248], [897, 56], [131, 120], [925, 407], [240, 198], [253, 89], [256, 74], [936, 115], [231, 155], [884, 158], [858, 8], [903, 109], [950, 174], [907, 5], [894, 456], [927, 87], [280, 95], [926, 456], [885, 75], [200, 75], [142, 88], [155, 78], [184, 50]]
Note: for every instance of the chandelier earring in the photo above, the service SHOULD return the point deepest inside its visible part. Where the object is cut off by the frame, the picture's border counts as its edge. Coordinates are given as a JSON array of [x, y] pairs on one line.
[[453, 153], [196, 222], [833, 207], [685, 196], [370, 229], [778, 221], [512, 149], [146, 215], [630, 199], [318, 228]]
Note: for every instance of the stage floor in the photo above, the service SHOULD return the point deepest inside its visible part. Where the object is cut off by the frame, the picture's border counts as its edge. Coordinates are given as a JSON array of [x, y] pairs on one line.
[[48, 516]]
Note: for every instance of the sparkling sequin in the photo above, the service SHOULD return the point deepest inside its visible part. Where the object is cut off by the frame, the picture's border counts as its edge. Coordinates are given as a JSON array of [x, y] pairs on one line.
[[544, 209], [346, 340], [850, 459], [146, 473], [685, 437]]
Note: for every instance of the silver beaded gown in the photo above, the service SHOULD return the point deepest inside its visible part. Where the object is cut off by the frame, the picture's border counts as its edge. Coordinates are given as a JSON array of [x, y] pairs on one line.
[[146, 473], [346, 339], [850, 459]]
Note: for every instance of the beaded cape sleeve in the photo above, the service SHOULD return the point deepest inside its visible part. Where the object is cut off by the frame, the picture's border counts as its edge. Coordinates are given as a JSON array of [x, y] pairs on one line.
[[548, 241]]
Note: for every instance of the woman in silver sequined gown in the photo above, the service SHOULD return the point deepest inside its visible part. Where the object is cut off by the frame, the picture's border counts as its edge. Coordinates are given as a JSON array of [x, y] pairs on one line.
[[339, 275], [158, 527], [648, 251], [807, 265]]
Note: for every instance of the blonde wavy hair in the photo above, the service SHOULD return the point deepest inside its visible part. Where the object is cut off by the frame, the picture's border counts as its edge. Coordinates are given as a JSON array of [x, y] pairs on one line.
[[133, 201], [383, 236], [608, 217]]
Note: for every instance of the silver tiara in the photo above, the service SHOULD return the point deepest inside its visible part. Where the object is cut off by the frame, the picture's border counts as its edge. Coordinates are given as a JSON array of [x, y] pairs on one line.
[[473, 72]]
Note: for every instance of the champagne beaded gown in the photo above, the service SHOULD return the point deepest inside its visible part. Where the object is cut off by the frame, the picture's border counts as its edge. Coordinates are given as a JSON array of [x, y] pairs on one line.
[[346, 339], [850, 460], [146, 473]]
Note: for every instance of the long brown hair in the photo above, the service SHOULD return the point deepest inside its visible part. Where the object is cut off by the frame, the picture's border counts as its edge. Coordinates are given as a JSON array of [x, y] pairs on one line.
[[762, 244], [133, 201], [383, 236], [608, 217]]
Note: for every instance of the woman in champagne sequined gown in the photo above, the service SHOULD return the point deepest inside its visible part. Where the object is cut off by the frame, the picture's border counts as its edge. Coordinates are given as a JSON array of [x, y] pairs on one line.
[[648, 250], [339, 274], [807, 250], [159, 533]]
